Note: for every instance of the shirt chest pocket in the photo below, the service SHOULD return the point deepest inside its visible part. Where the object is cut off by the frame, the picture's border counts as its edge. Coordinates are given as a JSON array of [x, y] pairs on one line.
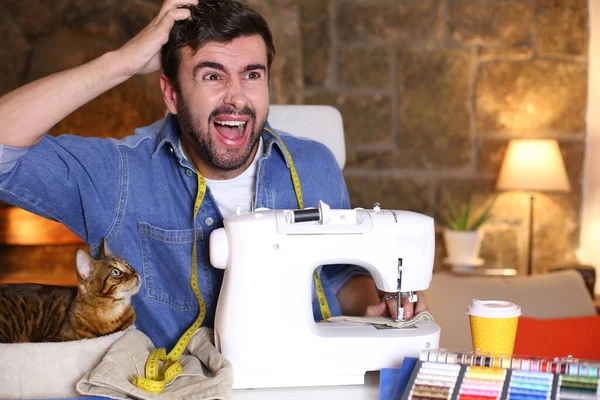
[[166, 258]]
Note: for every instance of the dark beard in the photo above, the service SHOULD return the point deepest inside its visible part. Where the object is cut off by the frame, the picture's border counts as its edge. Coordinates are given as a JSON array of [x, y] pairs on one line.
[[204, 145]]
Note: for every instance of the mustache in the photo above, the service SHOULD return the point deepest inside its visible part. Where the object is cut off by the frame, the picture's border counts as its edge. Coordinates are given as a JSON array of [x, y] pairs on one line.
[[231, 111]]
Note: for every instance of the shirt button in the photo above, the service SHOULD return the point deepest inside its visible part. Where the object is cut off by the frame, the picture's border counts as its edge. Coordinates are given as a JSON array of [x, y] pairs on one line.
[[189, 172], [209, 221]]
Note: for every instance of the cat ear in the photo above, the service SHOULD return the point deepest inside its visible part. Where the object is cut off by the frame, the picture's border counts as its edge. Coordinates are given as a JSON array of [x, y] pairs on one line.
[[105, 250], [84, 264]]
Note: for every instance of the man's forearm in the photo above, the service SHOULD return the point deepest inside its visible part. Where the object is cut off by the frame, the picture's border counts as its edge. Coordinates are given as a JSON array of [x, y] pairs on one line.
[[356, 294], [28, 112]]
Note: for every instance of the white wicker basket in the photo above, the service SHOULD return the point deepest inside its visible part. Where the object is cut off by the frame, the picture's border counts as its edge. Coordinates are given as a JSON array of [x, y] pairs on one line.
[[49, 370]]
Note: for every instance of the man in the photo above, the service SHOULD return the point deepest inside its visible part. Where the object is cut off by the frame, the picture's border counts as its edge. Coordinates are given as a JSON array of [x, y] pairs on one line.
[[138, 194]]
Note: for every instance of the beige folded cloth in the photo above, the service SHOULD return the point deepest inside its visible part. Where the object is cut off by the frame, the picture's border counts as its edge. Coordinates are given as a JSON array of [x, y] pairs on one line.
[[206, 373], [386, 321]]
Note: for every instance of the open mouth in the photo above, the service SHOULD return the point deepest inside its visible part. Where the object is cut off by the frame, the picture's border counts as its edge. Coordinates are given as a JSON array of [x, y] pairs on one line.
[[232, 131]]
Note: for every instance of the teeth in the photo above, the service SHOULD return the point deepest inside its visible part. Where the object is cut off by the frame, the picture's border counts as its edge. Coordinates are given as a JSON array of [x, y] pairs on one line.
[[231, 123], [240, 125]]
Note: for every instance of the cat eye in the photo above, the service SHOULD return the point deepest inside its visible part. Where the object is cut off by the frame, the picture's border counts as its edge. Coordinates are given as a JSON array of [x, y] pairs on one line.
[[130, 268], [115, 272]]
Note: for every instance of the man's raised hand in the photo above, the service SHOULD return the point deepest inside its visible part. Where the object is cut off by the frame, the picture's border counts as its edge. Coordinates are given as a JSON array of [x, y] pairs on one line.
[[141, 54]]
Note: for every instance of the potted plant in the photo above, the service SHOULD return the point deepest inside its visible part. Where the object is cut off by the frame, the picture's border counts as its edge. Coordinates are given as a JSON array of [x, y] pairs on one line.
[[462, 235]]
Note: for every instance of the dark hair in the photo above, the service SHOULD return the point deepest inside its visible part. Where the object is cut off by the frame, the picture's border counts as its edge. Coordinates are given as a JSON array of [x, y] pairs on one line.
[[213, 21]]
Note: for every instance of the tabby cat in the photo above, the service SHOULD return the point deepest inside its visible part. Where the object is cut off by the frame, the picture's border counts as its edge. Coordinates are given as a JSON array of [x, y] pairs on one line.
[[98, 306]]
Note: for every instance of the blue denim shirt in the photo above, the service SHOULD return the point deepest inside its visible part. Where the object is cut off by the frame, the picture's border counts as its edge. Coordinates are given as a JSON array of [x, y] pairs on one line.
[[139, 192]]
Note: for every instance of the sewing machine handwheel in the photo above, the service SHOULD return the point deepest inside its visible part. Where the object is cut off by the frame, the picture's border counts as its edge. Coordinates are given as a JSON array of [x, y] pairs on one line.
[[218, 248]]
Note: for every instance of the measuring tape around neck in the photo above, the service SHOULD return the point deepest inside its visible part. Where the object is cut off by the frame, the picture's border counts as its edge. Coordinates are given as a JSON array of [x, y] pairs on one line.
[[156, 377], [325, 313]]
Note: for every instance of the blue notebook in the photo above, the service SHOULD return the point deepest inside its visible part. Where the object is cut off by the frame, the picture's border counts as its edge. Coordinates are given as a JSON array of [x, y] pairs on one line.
[[392, 381]]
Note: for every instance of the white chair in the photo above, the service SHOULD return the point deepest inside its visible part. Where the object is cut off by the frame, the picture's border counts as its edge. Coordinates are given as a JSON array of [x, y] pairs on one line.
[[321, 123]]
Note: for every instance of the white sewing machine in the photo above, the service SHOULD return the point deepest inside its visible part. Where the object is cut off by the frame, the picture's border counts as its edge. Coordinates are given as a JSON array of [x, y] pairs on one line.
[[264, 322]]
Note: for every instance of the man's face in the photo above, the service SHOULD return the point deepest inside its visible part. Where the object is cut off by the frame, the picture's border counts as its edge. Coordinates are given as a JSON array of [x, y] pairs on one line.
[[223, 104]]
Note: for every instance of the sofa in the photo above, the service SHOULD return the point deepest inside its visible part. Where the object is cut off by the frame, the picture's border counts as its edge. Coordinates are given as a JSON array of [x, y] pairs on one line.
[[554, 305]]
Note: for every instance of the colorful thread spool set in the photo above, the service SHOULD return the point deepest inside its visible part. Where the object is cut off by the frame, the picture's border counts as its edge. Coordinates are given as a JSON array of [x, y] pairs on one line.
[[435, 381], [467, 376], [578, 387], [482, 383], [567, 366], [526, 385]]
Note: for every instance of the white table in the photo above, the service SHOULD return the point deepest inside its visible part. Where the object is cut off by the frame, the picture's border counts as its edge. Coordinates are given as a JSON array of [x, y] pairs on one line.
[[368, 391]]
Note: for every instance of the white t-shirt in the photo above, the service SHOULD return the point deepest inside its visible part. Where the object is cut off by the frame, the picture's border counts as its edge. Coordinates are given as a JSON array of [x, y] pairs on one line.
[[238, 191]]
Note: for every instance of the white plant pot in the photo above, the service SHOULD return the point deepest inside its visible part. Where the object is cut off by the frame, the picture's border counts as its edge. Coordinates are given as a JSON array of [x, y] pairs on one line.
[[463, 246]]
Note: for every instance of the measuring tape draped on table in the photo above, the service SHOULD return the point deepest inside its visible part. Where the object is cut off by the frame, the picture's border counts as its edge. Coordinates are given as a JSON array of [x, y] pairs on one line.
[[157, 378]]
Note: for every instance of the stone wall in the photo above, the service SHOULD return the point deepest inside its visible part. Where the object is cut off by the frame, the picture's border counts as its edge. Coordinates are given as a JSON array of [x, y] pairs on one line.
[[430, 92]]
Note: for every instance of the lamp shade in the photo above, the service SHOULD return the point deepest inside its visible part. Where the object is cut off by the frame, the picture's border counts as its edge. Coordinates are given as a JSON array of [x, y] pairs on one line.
[[533, 165]]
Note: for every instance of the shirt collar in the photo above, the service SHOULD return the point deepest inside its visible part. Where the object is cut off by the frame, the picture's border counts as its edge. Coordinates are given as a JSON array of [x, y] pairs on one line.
[[168, 134], [271, 140]]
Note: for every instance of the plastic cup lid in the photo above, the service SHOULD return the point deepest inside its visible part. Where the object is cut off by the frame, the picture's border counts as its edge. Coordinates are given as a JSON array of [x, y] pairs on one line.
[[493, 309]]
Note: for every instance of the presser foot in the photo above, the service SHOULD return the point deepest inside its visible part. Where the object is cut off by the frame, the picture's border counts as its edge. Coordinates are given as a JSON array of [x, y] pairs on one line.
[[412, 298], [400, 316], [400, 310]]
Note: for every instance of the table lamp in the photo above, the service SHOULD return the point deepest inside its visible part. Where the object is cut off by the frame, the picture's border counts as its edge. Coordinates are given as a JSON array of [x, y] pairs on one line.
[[533, 165]]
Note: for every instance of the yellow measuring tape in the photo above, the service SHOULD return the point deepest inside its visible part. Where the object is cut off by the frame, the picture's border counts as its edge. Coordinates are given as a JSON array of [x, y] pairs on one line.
[[325, 313], [156, 377]]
